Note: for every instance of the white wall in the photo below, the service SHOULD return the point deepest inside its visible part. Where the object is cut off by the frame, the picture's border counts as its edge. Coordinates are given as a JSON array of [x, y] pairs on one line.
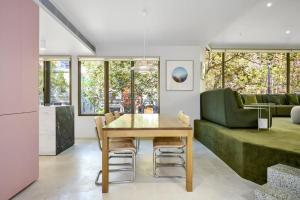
[[170, 101]]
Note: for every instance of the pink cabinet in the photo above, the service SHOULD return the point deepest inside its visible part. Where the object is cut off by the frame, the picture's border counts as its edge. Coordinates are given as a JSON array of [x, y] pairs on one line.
[[19, 37], [19, 152]]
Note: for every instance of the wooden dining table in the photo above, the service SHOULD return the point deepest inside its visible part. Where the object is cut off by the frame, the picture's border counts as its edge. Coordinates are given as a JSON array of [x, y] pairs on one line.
[[147, 126]]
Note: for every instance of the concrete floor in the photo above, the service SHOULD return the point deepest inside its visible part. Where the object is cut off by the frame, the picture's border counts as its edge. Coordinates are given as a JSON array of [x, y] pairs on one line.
[[71, 175]]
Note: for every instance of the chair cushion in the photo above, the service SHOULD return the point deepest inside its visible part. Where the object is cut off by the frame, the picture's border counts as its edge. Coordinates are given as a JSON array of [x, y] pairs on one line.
[[167, 142], [119, 146], [292, 99]]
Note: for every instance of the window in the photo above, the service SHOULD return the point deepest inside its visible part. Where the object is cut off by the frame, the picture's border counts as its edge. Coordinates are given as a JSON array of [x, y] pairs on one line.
[[245, 73], [54, 81], [111, 85], [91, 87], [146, 89], [213, 70], [120, 86], [295, 73], [252, 72]]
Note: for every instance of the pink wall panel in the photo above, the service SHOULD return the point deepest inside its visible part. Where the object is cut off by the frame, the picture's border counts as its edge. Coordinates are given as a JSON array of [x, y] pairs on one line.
[[19, 153], [19, 94], [10, 53], [19, 37], [29, 56]]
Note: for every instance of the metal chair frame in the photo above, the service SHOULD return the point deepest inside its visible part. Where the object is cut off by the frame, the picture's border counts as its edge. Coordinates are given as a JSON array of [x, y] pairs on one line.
[[128, 166], [178, 152]]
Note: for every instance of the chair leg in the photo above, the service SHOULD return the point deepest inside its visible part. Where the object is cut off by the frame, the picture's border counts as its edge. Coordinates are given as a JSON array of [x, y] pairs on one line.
[[132, 168], [97, 179], [154, 162], [167, 154]]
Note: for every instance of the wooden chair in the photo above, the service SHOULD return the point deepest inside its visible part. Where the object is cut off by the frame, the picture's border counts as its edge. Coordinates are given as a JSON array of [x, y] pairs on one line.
[[175, 146], [109, 117], [117, 149], [117, 114]]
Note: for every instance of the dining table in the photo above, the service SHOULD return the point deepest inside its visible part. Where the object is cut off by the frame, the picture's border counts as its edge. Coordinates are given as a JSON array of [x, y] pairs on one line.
[[147, 126]]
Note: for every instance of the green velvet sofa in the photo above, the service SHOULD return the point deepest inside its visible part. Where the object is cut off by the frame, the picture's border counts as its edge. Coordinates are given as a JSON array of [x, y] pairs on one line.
[[221, 106], [285, 105], [228, 130]]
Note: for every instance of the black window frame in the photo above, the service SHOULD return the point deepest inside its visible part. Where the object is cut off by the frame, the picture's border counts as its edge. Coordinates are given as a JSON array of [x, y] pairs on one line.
[[47, 77], [288, 63], [106, 84]]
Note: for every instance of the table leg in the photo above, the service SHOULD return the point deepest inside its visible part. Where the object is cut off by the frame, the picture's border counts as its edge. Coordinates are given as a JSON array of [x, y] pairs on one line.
[[189, 162], [105, 167]]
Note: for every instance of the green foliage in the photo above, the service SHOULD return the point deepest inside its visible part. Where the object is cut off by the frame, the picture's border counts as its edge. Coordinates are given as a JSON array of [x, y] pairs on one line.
[[247, 72], [92, 84], [295, 72]]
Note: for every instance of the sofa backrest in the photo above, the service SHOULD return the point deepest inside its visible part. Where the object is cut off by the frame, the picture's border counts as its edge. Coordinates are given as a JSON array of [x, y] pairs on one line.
[[217, 105]]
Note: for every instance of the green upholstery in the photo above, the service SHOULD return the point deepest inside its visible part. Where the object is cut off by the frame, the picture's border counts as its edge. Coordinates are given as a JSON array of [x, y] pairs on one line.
[[278, 99], [239, 99], [250, 99], [221, 106], [249, 152], [292, 99]]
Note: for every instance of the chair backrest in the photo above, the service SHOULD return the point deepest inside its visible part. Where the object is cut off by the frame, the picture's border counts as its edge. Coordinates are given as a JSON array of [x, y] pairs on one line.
[[117, 114], [185, 119], [180, 114], [109, 117], [99, 125]]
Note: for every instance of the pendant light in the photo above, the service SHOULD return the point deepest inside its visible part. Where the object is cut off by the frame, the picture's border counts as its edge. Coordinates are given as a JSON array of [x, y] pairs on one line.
[[143, 66]]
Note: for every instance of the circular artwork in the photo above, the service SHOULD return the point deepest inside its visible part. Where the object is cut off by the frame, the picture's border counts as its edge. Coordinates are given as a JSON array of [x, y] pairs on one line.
[[179, 74]]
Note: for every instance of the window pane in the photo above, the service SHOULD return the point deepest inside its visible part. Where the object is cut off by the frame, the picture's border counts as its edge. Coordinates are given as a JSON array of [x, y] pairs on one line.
[[245, 73], [213, 70], [119, 86], [275, 63], [41, 82], [295, 73], [92, 87], [146, 89], [60, 82]]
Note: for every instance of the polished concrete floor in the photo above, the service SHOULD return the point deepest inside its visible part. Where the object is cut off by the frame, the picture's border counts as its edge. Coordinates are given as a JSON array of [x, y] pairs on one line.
[[71, 175]]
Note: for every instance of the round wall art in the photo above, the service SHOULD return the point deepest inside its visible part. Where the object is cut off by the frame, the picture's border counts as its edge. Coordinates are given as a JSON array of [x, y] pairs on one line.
[[179, 74]]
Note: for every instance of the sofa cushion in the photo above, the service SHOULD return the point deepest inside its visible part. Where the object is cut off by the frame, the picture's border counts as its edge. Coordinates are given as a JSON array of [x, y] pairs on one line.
[[249, 99], [239, 99], [259, 98], [292, 99], [278, 99]]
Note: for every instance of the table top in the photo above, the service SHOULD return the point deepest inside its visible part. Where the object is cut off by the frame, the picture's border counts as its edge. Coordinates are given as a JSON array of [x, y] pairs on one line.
[[146, 122]]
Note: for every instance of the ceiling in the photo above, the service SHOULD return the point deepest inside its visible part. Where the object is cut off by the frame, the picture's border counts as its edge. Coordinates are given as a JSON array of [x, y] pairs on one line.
[[219, 23], [264, 27], [168, 22], [58, 41]]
